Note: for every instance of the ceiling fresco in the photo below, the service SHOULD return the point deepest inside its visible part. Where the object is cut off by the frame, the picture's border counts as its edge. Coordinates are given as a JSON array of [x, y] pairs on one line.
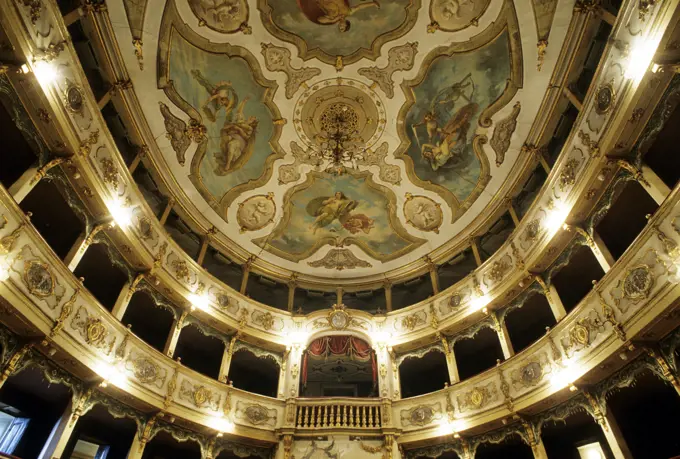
[[340, 138]]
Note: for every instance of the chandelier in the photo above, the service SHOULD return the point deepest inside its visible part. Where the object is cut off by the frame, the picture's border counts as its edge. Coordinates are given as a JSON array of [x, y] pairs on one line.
[[339, 145]]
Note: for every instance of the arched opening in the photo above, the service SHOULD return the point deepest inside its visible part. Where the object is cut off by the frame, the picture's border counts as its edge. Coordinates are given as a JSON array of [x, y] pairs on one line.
[[254, 373], [163, 445], [28, 395], [99, 434], [423, 373], [339, 366], [511, 446]]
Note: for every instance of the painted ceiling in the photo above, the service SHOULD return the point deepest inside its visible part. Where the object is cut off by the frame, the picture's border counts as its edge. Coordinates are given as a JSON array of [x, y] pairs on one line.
[[435, 99]]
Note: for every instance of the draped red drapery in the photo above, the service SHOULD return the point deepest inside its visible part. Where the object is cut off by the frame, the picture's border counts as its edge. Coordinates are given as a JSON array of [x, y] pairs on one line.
[[354, 348]]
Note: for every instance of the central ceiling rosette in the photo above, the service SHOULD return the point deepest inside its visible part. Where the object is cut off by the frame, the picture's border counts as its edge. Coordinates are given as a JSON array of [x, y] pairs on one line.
[[341, 138]]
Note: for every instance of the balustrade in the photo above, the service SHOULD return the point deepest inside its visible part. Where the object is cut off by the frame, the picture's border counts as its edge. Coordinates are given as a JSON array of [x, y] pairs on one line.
[[334, 413]]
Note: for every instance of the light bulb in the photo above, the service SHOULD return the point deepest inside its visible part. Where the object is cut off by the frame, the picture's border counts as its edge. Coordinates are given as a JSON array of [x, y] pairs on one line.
[[45, 72]]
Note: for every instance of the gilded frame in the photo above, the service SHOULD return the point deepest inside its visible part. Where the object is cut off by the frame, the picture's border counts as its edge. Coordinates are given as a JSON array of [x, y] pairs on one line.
[[393, 220], [507, 21], [172, 23]]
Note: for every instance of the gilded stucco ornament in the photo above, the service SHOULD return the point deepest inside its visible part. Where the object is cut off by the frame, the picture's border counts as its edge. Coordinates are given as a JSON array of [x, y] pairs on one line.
[[421, 415], [582, 333], [73, 98], [93, 330], [410, 322], [531, 373], [39, 279], [267, 320], [399, 58], [478, 397], [199, 395], [277, 59], [256, 414], [502, 133], [256, 212], [638, 283], [145, 370], [340, 259], [176, 133], [423, 213], [604, 98]]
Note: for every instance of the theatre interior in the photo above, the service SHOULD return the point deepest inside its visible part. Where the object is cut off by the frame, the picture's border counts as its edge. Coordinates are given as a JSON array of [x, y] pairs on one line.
[[340, 229]]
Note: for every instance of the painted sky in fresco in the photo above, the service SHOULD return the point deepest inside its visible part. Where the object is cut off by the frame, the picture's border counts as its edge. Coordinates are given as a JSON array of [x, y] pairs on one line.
[[366, 25], [298, 237], [185, 57], [488, 68]]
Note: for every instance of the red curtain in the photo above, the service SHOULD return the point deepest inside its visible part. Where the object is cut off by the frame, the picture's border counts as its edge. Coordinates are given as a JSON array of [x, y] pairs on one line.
[[354, 348]]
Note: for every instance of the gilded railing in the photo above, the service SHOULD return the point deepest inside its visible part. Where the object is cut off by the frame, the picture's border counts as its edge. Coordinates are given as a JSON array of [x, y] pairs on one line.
[[338, 413]]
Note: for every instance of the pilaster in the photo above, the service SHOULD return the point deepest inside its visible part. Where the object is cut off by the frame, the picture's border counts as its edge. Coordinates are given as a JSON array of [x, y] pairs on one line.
[[173, 337], [23, 185], [226, 360], [61, 432]]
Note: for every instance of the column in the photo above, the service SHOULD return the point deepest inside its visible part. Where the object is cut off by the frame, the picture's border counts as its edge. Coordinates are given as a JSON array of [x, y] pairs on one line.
[[73, 16], [291, 380], [292, 284], [651, 182], [388, 295], [106, 98], [553, 298], [123, 301], [31, 177], [610, 427], [451, 363], [166, 211], [539, 450], [173, 337], [138, 159], [607, 17], [614, 437], [475, 251], [535, 441], [434, 278], [503, 336], [513, 213], [61, 433], [538, 153], [601, 252], [338, 296], [666, 370], [386, 387], [246, 273], [16, 357], [226, 360], [141, 438], [81, 245], [573, 99], [203, 250]]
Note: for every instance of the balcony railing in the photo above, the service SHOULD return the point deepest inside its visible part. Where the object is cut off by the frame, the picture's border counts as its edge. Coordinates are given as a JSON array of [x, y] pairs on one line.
[[336, 413]]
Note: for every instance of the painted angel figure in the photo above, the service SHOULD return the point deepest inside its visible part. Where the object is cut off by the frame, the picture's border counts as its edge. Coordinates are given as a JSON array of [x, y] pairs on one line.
[[339, 207], [237, 136], [327, 12], [447, 130]]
